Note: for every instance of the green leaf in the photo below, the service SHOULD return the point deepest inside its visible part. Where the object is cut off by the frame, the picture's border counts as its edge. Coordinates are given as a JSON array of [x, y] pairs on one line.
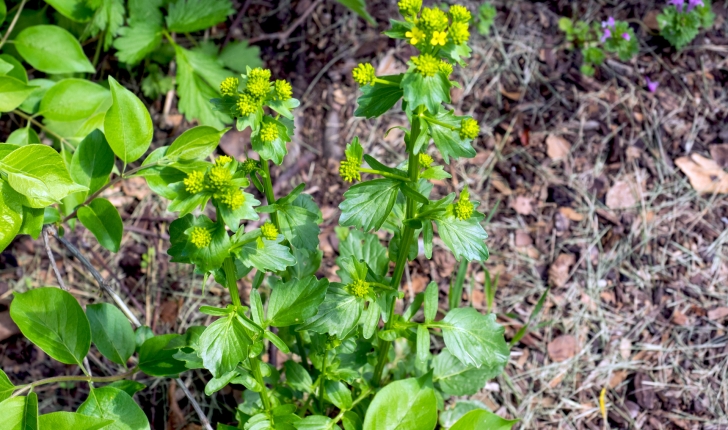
[[238, 56], [360, 8], [216, 384], [108, 19], [52, 319], [160, 178], [137, 42], [299, 225], [71, 420], [127, 125], [11, 214], [92, 162], [408, 404], [431, 302], [103, 220], [110, 403], [33, 220], [267, 255], [448, 417], [295, 301], [20, 413], [379, 98], [195, 92], [128, 386], [430, 91], [337, 393], [18, 70], [367, 205], [486, 18], [435, 172], [447, 137], [351, 421], [482, 419], [195, 143], [207, 258], [224, 345], [367, 247], [6, 387], [75, 10], [3, 11], [465, 238], [39, 173], [72, 100], [146, 11], [111, 332], [338, 314], [457, 379], [307, 263], [12, 93], [423, 343], [53, 50], [187, 16], [156, 360], [284, 107], [276, 149], [297, 377], [23, 136], [246, 211], [475, 339], [141, 335]]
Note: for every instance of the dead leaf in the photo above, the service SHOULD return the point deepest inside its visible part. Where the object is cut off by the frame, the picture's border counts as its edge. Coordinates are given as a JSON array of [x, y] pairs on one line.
[[705, 175], [559, 270], [557, 147], [720, 154], [718, 314], [679, 318], [135, 187], [644, 391], [168, 311], [562, 348], [621, 196], [419, 283], [523, 238], [522, 205], [571, 214], [650, 20], [617, 378]]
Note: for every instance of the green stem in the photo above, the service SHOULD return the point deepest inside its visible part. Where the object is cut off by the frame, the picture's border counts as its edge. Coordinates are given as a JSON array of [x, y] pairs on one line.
[[401, 263], [90, 379], [38, 124], [322, 384], [255, 365], [385, 82], [97, 54], [361, 397], [432, 120], [384, 174], [12, 24], [268, 191], [302, 350]]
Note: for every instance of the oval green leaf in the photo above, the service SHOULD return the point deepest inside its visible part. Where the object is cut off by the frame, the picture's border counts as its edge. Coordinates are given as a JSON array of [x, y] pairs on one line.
[[52, 319], [155, 360], [6, 387], [111, 332], [92, 162], [127, 125], [409, 404], [20, 413], [12, 93], [103, 220], [482, 419], [71, 420], [115, 405], [23, 136], [11, 214], [72, 100], [75, 10], [51, 49], [195, 143]]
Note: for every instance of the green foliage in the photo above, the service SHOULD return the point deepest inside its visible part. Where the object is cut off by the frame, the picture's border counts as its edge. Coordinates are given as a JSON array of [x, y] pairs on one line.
[[127, 124], [52, 49], [681, 25], [111, 332], [20, 412], [112, 404], [486, 18], [101, 218], [407, 404], [360, 8]]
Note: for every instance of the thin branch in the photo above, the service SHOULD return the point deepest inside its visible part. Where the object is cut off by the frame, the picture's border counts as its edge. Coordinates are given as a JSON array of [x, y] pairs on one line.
[[235, 23], [53, 260], [12, 24], [97, 276], [196, 406], [283, 36]]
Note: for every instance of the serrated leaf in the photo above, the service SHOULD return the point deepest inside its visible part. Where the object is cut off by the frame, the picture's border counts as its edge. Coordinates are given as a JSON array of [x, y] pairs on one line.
[[482, 419], [238, 56], [109, 18], [112, 404], [12, 93], [379, 98], [102, 219], [195, 93], [338, 314], [367, 205], [224, 344], [299, 225], [464, 238], [408, 404], [271, 256], [295, 301], [475, 339], [137, 42], [52, 319], [457, 379], [51, 49], [447, 137], [187, 16], [245, 211], [367, 247], [428, 91], [111, 332], [127, 124]]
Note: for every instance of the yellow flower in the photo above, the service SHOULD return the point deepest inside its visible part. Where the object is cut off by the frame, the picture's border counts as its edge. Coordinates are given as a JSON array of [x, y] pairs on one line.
[[219, 178], [229, 86], [364, 74], [439, 38], [445, 67], [223, 160], [194, 182], [415, 36], [269, 231], [433, 19], [259, 73], [459, 13], [200, 237], [464, 208], [246, 105], [409, 8], [459, 33], [268, 131], [426, 64], [469, 128], [425, 160], [249, 166], [359, 288], [258, 82], [349, 170], [283, 89], [233, 199]]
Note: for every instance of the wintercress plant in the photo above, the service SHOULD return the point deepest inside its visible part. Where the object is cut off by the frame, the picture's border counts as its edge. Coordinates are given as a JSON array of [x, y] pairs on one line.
[[354, 361]]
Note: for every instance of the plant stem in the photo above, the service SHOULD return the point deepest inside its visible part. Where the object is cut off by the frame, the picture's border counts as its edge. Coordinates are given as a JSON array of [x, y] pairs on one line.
[[268, 191], [302, 351], [231, 281], [255, 365], [383, 174], [322, 381], [405, 240], [36, 123], [12, 24], [361, 397], [21, 389]]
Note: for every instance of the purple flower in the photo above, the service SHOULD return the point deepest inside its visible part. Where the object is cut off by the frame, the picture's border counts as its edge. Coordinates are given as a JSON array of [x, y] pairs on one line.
[[677, 3], [607, 34], [651, 85], [692, 4], [626, 36], [609, 22]]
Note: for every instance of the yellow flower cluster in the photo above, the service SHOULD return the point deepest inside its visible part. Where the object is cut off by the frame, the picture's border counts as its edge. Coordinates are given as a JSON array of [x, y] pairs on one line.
[[229, 86], [246, 105], [433, 19], [248, 166], [433, 26], [200, 237], [283, 89], [460, 13], [268, 131], [409, 8], [359, 288], [219, 178], [364, 74], [425, 160], [258, 89], [269, 231], [349, 169], [223, 160], [258, 82], [426, 64], [233, 198], [445, 67], [194, 182], [469, 128], [464, 208]]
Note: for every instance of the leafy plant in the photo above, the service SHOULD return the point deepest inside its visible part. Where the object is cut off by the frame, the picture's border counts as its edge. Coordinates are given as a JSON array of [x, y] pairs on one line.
[[486, 18], [680, 23], [594, 40], [342, 330]]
